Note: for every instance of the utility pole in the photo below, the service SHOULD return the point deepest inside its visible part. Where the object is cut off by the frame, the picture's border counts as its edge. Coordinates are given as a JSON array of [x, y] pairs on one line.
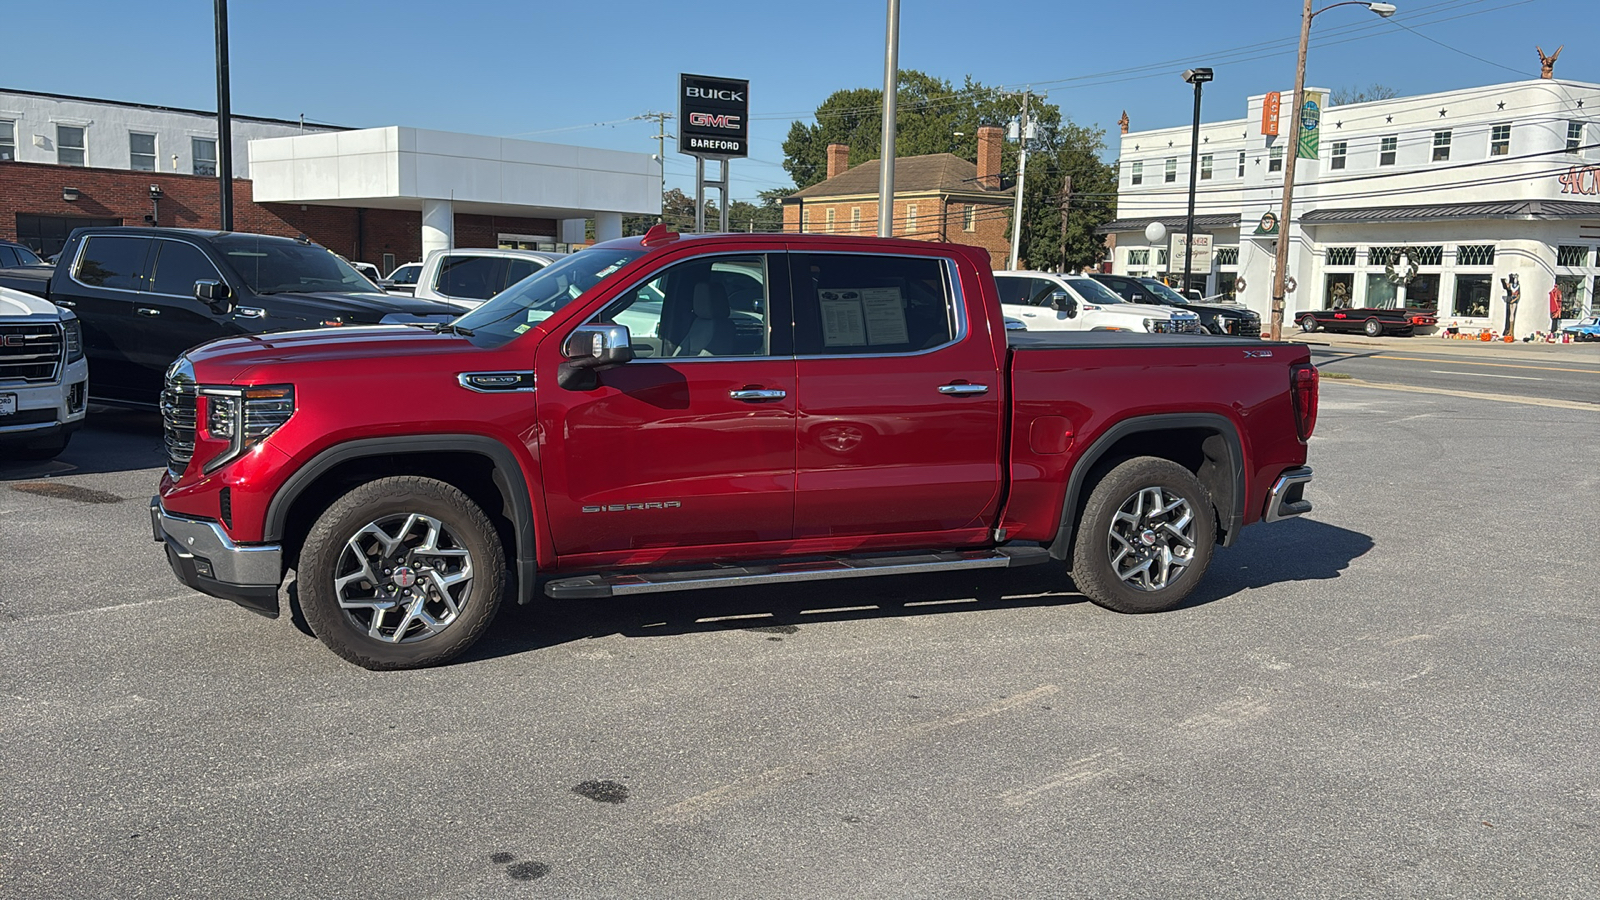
[[661, 147], [1022, 174], [1066, 203], [891, 89]]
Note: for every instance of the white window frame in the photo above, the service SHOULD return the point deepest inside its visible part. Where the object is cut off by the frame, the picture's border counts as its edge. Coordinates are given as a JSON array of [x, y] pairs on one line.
[[1136, 174], [1441, 148], [82, 149], [1207, 163], [1169, 171], [155, 151], [1275, 159], [828, 221], [1574, 135], [969, 218], [1500, 139], [855, 220], [1241, 163], [11, 143], [1388, 144], [1338, 155], [911, 218], [194, 158]]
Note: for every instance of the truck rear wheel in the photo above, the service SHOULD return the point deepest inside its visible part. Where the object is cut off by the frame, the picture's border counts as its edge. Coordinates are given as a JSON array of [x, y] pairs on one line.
[[1146, 537], [401, 573]]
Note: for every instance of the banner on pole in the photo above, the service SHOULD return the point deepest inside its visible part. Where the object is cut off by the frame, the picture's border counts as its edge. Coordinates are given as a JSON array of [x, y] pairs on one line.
[[1310, 125]]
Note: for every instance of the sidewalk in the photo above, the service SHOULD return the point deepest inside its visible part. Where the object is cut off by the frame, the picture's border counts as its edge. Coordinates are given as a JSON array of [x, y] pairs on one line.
[[1586, 352]]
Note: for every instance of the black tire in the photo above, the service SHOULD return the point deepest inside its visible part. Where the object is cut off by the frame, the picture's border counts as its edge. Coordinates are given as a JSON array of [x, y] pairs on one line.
[[460, 534], [1308, 323], [42, 450], [1373, 328], [1098, 551]]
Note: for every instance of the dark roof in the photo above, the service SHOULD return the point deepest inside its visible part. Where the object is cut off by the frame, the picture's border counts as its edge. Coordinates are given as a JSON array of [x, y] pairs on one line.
[[1498, 209], [176, 109], [943, 172], [1173, 223]]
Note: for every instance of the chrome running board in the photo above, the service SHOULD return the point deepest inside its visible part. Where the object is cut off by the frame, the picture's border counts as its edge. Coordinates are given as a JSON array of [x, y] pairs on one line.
[[779, 572]]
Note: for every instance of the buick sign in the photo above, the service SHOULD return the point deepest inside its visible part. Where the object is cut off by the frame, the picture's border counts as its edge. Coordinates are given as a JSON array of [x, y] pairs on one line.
[[713, 116]]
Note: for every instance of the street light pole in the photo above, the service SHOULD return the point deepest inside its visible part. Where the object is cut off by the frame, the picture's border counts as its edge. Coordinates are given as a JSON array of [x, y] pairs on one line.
[[891, 90], [1196, 77], [1281, 274]]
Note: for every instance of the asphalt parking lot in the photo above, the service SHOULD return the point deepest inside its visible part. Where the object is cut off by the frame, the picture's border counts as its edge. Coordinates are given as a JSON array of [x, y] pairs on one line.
[[1393, 696]]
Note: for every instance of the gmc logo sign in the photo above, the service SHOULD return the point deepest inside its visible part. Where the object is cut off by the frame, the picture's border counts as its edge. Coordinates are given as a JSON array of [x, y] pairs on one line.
[[709, 120]]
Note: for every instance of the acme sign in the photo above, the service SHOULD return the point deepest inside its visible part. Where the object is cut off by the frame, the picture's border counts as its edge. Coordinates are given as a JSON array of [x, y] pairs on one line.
[[713, 116], [1580, 181]]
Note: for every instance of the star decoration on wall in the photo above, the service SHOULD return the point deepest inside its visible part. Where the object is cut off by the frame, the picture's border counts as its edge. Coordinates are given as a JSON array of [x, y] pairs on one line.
[[1338, 125], [1500, 105], [1385, 118], [1169, 143], [1135, 146], [1580, 104], [1207, 138], [1441, 113]]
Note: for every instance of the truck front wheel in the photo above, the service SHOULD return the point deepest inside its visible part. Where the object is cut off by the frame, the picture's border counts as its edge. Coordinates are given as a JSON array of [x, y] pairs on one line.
[[1146, 537], [401, 573]]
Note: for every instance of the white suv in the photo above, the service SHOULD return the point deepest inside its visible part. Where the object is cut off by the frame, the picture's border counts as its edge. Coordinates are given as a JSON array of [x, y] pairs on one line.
[[466, 278], [44, 378], [1048, 302]]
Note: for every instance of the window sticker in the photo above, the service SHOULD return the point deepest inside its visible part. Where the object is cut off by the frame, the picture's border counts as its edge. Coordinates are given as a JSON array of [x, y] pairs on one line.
[[852, 317]]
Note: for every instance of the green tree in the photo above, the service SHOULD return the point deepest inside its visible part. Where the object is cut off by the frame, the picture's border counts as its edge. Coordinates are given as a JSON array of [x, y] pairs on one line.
[[933, 115], [1347, 95]]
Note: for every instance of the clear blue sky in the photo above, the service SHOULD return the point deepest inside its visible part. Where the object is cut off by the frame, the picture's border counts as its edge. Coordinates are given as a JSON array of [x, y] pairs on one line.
[[551, 70]]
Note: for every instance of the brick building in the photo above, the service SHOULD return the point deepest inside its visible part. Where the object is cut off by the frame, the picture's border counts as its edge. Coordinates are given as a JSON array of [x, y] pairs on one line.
[[379, 195], [938, 197]]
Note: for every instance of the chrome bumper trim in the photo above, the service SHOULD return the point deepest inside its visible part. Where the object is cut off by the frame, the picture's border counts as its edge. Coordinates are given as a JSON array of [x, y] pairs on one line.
[[1285, 500], [234, 564]]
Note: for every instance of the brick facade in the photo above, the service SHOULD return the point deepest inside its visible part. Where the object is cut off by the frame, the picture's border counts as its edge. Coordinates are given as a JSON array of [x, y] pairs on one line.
[[939, 218], [190, 201]]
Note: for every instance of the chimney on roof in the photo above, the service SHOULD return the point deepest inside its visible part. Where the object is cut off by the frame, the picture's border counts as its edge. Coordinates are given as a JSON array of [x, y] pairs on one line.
[[838, 159], [989, 146], [1123, 122]]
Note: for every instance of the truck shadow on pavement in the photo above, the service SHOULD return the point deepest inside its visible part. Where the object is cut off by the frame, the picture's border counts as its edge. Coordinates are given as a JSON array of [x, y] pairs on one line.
[[1296, 550], [111, 440]]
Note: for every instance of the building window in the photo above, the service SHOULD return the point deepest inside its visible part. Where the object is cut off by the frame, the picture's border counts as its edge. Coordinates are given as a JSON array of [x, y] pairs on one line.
[[1337, 154], [969, 220], [204, 151], [1475, 255], [1472, 295], [1161, 257], [1572, 302], [1572, 257], [1386, 149], [8, 141], [827, 225], [1205, 168], [1170, 174], [1139, 257], [1341, 256], [1227, 256], [911, 218], [1500, 140], [1241, 163], [855, 220], [1138, 173], [1275, 159], [805, 220], [70, 150], [1574, 136], [142, 151], [1441, 146]]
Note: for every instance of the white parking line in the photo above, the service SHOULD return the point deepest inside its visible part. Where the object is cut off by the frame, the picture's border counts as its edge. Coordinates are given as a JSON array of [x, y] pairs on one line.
[[101, 609], [1486, 375]]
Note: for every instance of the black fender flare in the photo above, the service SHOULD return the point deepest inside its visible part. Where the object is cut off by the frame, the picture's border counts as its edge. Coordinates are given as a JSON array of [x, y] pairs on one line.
[[507, 474], [1230, 447]]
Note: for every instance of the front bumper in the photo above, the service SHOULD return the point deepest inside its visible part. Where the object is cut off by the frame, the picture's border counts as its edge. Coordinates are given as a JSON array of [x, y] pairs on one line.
[[1287, 497], [205, 558]]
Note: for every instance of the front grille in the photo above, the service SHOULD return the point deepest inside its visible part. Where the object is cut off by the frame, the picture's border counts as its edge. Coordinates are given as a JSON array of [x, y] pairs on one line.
[[29, 352], [177, 424]]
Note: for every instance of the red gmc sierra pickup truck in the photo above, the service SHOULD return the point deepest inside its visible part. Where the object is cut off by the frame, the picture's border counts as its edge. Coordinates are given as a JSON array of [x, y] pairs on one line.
[[681, 412]]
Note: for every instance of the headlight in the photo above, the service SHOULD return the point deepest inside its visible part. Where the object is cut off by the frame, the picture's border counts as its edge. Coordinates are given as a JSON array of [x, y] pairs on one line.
[[1149, 324], [73, 330], [244, 417]]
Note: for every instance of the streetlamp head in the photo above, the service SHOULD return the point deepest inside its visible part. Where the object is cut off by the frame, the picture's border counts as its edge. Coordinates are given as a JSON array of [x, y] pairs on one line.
[[1201, 76], [1383, 9]]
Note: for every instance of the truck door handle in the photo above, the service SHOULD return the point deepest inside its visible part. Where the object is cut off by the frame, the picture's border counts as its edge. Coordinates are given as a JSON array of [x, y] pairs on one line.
[[147, 311], [754, 395], [67, 303], [963, 390]]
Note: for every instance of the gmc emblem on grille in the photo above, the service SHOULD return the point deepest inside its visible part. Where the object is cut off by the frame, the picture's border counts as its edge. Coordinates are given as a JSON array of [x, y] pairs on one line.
[[15, 340]]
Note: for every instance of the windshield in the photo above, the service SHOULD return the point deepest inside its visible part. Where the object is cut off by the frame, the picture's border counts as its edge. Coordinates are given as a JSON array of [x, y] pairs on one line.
[[1093, 291], [537, 297], [273, 266], [1163, 293]]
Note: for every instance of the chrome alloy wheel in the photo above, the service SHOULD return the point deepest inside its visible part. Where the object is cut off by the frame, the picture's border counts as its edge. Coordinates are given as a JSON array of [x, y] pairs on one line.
[[1151, 540], [403, 578]]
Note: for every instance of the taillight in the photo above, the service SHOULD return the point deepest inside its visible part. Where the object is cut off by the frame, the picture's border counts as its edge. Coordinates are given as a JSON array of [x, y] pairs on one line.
[[1303, 382]]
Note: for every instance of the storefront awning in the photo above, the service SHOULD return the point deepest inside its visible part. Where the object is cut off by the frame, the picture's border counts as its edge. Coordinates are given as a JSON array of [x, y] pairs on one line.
[[1440, 212], [1174, 224]]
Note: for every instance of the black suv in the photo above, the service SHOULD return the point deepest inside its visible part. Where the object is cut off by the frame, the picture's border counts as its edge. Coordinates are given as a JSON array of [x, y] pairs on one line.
[[1217, 318], [145, 295]]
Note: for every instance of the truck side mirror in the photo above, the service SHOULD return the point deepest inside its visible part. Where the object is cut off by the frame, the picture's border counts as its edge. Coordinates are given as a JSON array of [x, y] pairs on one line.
[[214, 294], [1062, 301], [1136, 298], [590, 348]]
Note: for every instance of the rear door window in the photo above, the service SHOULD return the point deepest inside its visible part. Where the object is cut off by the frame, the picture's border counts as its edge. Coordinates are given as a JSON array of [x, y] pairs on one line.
[[471, 277], [848, 304], [178, 266], [8, 257], [518, 269], [1013, 290], [110, 261]]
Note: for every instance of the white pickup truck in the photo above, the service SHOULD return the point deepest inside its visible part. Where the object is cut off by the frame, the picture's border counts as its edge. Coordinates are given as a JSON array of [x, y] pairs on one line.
[[44, 378], [1045, 301]]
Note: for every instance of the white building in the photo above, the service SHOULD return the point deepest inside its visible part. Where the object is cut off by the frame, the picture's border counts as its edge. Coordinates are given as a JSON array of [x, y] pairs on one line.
[[1472, 185]]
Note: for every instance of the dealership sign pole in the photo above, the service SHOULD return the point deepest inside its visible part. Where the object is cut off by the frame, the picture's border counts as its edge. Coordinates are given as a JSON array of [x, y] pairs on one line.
[[713, 123]]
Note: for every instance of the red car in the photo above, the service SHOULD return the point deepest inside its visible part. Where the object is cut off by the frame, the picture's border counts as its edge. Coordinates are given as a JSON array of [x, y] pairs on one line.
[[673, 412], [1373, 321]]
